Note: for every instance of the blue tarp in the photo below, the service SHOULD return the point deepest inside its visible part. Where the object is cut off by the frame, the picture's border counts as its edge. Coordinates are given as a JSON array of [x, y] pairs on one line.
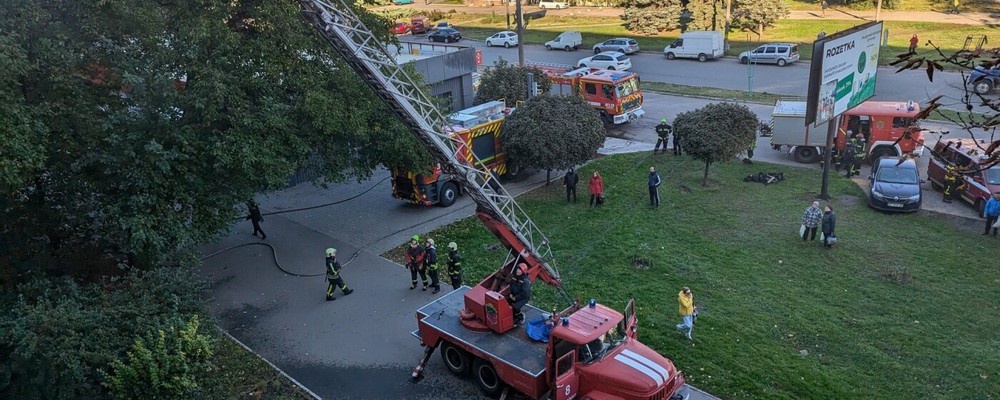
[[538, 330]]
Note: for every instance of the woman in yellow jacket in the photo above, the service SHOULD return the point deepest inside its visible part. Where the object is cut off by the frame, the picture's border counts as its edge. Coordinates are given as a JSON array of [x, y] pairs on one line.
[[687, 309]]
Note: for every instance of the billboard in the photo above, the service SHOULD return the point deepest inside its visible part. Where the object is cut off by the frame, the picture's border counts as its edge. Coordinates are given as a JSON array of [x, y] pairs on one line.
[[842, 72]]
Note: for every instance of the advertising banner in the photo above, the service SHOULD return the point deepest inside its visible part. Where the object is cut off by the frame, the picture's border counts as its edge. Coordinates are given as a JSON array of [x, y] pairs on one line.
[[843, 71]]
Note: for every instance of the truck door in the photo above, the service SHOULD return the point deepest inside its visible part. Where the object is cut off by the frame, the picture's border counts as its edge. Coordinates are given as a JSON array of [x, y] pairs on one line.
[[567, 383], [631, 321]]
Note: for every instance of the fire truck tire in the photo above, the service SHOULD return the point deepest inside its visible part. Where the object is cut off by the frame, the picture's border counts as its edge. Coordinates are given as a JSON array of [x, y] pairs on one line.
[[806, 154], [936, 186], [455, 359], [449, 193], [486, 378], [882, 151]]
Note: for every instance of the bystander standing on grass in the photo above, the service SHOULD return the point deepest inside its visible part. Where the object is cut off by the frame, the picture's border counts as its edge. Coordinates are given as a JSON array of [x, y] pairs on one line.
[[596, 189], [829, 223], [810, 221]]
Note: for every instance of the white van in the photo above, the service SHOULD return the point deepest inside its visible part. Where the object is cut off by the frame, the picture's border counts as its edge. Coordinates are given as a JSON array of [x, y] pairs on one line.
[[570, 40], [556, 4], [703, 45]]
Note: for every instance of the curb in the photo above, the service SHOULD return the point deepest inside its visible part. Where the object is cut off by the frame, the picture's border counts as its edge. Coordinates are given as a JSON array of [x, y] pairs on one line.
[[275, 367]]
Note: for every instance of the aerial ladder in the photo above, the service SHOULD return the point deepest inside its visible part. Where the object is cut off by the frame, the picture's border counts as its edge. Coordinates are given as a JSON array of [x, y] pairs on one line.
[[495, 206], [589, 347]]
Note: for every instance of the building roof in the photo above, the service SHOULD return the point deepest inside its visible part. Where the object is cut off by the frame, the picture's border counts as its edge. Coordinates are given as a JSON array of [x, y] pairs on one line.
[[412, 51]]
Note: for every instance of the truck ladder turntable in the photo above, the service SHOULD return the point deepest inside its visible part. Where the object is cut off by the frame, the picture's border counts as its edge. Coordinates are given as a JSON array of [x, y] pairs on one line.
[[517, 350]]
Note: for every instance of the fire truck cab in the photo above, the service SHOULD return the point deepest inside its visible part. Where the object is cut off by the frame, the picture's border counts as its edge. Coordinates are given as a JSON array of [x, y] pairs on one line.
[[615, 94], [965, 155]]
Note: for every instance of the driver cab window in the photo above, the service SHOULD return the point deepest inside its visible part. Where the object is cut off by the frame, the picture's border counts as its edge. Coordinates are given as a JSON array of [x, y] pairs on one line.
[[677, 43], [609, 91], [590, 88], [758, 50], [901, 122]]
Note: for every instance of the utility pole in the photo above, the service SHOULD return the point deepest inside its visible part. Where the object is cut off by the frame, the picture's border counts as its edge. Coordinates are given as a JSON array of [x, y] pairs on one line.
[[506, 5], [729, 16], [878, 11], [520, 33]]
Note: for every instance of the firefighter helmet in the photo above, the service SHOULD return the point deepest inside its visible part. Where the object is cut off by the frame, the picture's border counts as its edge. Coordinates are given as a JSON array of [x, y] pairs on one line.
[[331, 252], [453, 245], [430, 241], [415, 238], [663, 121]]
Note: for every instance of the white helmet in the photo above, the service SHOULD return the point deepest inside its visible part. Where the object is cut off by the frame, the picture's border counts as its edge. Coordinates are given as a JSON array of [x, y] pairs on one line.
[[430, 241], [331, 252], [453, 246]]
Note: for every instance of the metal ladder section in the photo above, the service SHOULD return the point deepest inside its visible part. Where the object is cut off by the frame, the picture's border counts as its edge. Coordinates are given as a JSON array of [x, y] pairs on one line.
[[342, 28]]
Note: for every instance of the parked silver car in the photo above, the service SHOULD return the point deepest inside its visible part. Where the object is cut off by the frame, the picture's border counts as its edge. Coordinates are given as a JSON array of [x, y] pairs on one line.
[[621, 45], [772, 53]]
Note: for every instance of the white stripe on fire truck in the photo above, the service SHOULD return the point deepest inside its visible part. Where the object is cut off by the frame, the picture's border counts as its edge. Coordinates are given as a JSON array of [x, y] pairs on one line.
[[649, 363], [636, 365]]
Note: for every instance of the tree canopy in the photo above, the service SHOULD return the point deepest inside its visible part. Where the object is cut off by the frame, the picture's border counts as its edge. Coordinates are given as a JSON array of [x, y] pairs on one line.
[[134, 128], [706, 15], [649, 17], [509, 82], [757, 15], [716, 132], [552, 132]]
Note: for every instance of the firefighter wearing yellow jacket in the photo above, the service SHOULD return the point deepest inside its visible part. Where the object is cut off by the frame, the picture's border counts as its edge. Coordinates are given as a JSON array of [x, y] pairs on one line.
[[431, 265], [454, 265]]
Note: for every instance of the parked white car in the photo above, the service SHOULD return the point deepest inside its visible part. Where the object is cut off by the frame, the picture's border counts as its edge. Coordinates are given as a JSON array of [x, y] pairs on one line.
[[505, 39], [547, 4], [612, 60]]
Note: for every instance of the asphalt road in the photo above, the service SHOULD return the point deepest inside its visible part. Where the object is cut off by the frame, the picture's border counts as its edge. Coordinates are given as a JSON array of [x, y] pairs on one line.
[[728, 73]]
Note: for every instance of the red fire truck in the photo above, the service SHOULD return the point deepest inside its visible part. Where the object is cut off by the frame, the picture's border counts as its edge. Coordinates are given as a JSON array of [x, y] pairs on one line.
[[593, 351], [615, 94], [480, 127], [889, 129], [965, 155]]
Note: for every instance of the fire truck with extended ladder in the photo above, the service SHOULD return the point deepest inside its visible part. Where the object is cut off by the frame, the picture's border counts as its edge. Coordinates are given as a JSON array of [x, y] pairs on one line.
[[592, 353]]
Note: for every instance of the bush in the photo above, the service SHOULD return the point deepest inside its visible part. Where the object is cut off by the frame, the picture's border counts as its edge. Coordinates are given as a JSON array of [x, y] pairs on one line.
[[162, 365], [58, 335]]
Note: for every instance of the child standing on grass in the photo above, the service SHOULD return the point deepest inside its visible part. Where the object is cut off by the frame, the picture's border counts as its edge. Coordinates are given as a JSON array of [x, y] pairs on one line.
[[687, 309]]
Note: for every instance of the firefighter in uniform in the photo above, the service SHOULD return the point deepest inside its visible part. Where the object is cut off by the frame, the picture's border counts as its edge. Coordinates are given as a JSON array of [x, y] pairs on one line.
[[454, 265], [860, 150], [333, 276], [431, 265], [662, 132], [520, 291], [848, 157], [415, 262], [953, 183]]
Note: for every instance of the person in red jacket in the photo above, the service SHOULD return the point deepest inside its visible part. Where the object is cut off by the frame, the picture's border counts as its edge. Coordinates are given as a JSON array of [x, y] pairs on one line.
[[415, 262], [596, 189]]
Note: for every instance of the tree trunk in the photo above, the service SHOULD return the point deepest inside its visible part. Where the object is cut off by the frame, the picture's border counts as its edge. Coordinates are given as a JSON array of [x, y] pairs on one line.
[[729, 7], [878, 11], [548, 176], [704, 180]]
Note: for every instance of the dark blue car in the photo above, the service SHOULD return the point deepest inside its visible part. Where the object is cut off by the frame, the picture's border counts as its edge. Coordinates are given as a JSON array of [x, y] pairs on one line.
[[895, 185], [447, 35], [984, 80]]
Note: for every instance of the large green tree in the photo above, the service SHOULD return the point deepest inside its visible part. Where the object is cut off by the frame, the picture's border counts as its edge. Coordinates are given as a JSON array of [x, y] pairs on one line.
[[552, 132], [136, 128], [649, 17], [706, 15], [716, 132], [508, 82], [758, 15]]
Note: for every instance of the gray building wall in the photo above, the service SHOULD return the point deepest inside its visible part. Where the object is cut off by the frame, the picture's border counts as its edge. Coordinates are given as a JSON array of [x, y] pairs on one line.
[[446, 68]]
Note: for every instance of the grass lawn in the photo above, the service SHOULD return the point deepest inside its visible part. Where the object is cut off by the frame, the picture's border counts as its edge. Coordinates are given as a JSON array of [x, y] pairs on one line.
[[905, 307], [242, 375], [903, 5]]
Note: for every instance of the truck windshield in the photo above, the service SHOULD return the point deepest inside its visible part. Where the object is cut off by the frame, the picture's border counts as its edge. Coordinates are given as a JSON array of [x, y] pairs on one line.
[[597, 348], [993, 176], [626, 88]]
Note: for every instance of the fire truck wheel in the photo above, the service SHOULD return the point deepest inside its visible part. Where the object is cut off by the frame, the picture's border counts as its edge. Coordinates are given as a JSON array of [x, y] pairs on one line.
[[936, 186], [805, 155], [449, 192], [455, 359], [486, 378]]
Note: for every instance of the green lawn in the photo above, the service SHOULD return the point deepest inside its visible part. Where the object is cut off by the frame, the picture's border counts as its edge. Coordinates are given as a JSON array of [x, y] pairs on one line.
[[904, 5], [905, 307]]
